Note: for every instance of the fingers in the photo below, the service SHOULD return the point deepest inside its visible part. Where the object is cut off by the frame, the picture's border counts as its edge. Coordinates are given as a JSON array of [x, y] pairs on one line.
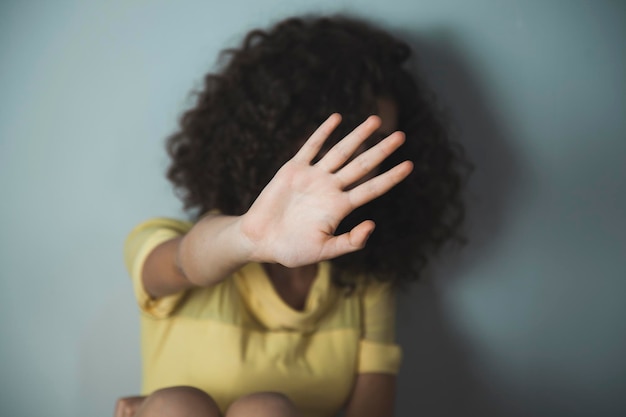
[[370, 159], [128, 406], [379, 185], [314, 143], [348, 242], [345, 149], [121, 408]]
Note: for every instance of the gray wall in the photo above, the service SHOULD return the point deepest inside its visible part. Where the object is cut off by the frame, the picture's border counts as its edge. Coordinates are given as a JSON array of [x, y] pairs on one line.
[[527, 320]]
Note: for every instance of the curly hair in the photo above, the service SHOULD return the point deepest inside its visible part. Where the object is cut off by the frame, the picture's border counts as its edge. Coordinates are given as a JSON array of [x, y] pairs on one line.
[[271, 93]]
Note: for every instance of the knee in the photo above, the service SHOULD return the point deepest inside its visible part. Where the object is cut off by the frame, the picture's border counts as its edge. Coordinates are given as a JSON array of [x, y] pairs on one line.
[[179, 401], [263, 404]]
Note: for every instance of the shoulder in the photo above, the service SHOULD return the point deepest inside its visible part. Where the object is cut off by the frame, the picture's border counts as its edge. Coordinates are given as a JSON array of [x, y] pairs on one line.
[[371, 290], [158, 223], [150, 233]]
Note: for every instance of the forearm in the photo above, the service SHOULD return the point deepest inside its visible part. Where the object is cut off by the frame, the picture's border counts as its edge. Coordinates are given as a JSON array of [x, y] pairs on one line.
[[211, 251]]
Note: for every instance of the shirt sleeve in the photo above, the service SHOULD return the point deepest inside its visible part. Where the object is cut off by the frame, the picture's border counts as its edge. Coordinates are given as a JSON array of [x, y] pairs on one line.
[[141, 241], [378, 352]]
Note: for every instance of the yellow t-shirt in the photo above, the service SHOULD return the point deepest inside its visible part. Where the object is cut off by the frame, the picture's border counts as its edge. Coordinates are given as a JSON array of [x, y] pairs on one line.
[[239, 336]]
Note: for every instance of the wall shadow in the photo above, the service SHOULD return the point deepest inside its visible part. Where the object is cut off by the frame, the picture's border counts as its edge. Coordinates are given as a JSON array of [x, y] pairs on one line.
[[439, 376]]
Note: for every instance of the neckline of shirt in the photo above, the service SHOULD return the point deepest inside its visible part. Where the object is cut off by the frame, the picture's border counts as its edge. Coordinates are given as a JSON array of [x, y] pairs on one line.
[[272, 311]]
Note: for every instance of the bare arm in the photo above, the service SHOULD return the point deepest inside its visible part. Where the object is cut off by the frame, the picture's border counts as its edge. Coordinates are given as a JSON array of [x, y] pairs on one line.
[[293, 220], [209, 252], [373, 396]]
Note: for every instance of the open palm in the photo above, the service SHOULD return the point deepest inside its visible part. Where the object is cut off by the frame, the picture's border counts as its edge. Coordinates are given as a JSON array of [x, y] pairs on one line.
[[294, 219]]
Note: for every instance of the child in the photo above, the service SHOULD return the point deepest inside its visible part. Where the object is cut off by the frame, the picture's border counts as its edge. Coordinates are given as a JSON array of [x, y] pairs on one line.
[[278, 298]]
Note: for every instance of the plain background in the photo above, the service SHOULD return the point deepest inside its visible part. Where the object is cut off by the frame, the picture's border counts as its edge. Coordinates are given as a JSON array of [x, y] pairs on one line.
[[528, 320]]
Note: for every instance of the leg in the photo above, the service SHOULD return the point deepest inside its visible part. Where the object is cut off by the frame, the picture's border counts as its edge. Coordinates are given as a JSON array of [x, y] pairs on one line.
[[263, 404], [179, 402]]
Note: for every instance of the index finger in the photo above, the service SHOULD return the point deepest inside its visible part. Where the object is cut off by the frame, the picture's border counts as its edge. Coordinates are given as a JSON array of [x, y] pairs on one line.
[[314, 143]]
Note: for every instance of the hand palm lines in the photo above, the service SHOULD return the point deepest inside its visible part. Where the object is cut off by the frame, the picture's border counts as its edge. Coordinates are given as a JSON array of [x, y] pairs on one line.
[[295, 217]]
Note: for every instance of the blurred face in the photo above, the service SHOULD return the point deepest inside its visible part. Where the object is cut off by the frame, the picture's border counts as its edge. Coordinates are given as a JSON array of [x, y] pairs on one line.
[[388, 113]]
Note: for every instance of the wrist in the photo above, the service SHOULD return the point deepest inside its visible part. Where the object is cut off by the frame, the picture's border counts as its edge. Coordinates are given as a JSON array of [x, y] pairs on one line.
[[213, 249], [253, 240], [243, 240]]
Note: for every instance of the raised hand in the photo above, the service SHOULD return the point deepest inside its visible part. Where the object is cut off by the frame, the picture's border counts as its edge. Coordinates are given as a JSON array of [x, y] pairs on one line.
[[293, 220]]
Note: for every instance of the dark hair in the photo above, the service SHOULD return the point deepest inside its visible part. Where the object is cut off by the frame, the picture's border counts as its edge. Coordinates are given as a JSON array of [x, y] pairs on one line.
[[271, 93]]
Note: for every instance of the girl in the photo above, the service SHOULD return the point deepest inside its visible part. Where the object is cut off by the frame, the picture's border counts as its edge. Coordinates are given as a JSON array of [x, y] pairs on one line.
[[277, 299]]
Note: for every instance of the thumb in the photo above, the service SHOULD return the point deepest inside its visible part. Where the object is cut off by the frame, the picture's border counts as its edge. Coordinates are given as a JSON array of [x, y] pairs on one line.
[[348, 242]]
